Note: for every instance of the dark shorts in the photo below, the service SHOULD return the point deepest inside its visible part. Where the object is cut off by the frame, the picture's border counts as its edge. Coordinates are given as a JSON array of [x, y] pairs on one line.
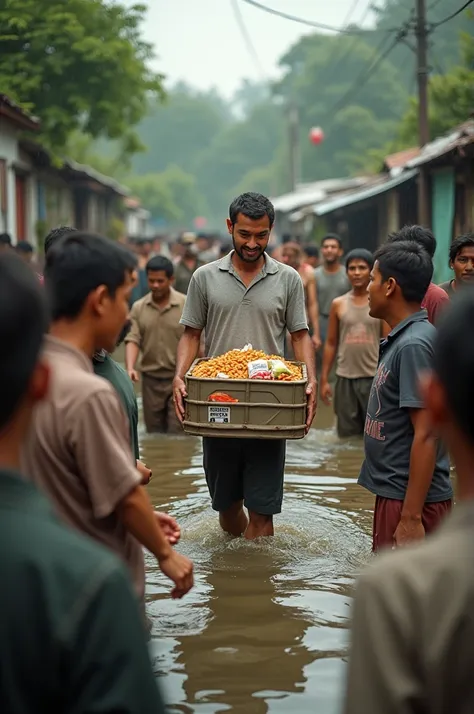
[[351, 397], [387, 513], [248, 470]]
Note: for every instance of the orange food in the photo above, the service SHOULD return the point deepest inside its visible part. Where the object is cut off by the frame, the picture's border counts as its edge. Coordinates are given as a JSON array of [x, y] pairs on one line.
[[235, 365]]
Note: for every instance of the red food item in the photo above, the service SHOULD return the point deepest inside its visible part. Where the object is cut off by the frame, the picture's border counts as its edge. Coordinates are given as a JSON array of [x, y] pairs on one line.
[[262, 375], [221, 397]]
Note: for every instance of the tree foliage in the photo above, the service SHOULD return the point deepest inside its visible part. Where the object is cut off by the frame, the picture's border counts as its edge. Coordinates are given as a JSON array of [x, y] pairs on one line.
[[171, 196], [77, 65], [176, 131]]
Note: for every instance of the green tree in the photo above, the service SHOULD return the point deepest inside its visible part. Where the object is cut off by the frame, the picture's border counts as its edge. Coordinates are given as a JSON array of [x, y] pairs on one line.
[[328, 79], [156, 195], [77, 65], [171, 195], [242, 146], [176, 131]]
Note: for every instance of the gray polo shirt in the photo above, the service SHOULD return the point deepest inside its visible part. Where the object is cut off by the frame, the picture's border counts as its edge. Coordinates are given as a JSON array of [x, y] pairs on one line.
[[388, 437], [234, 315]]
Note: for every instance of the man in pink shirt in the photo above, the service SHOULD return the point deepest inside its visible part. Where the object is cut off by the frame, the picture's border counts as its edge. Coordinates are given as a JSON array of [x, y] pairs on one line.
[[435, 298]]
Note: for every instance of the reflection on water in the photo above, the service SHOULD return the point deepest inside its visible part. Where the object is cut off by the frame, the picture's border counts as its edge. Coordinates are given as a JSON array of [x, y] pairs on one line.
[[264, 629]]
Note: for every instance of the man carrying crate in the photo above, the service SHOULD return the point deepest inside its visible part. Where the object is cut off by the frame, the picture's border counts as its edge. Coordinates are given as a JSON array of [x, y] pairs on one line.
[[246, 297]]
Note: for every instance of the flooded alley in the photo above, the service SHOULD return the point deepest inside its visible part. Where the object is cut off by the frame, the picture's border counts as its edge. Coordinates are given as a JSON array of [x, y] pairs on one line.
[[264, 629]]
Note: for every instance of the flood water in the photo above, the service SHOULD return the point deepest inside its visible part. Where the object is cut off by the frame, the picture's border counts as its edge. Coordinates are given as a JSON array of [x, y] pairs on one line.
[[265, 627]]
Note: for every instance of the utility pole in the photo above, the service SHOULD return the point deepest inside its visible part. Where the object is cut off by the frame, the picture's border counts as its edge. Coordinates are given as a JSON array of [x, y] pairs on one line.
[[423, 124], [294, 145]]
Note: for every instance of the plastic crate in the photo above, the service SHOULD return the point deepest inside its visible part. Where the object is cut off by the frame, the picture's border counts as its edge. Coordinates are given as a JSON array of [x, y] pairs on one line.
[[264, 410]]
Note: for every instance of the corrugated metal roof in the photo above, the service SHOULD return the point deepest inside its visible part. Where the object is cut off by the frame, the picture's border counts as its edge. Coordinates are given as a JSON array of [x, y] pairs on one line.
[[309, 193], [395, 161], [461, 136], [96, 176], [380, 185]]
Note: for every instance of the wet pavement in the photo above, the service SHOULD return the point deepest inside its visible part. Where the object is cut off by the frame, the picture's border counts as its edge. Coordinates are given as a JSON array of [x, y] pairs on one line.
[[265, 627]]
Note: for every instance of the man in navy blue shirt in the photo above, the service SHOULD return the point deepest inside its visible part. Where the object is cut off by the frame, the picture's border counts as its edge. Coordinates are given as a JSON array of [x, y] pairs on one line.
[[406, 470]]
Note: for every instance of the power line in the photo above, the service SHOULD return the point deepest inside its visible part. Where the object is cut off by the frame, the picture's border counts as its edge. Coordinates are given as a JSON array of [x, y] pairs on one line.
[[247, 39], [339, 62], [367, 72], [453, 15], [318, 25]]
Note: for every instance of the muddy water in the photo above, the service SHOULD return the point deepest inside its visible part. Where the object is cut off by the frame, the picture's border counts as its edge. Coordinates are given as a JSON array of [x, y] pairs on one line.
[[265, 628]]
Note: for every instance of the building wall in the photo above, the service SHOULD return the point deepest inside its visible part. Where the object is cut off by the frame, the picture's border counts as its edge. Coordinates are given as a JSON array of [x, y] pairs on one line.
[[11, 154]]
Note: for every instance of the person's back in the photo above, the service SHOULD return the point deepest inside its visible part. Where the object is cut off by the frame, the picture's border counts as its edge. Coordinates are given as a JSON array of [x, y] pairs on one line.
[[105, 366], [72, 639], [413, 623]]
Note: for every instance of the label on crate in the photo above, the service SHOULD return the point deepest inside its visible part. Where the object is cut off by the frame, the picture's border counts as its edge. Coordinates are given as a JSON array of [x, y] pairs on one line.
[[219, 415]]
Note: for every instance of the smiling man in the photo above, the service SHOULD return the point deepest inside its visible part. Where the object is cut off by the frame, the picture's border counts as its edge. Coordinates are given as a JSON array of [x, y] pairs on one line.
[[407, 471], [245, 297]]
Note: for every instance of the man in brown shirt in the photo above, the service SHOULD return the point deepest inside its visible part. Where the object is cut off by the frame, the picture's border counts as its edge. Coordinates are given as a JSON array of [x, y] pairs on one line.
[[413, 624], [155, 333], [78, 451]]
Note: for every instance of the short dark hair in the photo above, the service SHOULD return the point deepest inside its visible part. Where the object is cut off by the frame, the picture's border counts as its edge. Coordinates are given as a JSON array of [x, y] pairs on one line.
[[464, 241], [312, 251], [159, 262], [332, 236], [252, 205], [454, 357], [360, 254], [78, 264], [23, 322], [24, 247], [5, 239], [409, 264], [56, 234], [418, 234]]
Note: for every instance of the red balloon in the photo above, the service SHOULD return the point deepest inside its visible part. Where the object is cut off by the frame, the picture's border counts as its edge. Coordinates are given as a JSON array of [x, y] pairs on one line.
[[316, 135], [200, 222]]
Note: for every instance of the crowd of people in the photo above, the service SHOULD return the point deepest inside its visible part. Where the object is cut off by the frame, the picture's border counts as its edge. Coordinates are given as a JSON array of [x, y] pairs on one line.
[[74, 505]]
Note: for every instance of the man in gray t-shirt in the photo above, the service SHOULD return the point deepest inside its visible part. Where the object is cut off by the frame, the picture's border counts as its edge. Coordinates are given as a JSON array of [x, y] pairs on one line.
[[245, 297], [406, 470], [331, 279]]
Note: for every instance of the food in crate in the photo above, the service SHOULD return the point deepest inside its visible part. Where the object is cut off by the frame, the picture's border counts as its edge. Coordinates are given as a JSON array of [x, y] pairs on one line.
[[248, 363]]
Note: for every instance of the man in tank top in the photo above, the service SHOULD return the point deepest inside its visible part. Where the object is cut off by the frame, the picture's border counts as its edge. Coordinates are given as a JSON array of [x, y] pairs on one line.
[[353, 339]]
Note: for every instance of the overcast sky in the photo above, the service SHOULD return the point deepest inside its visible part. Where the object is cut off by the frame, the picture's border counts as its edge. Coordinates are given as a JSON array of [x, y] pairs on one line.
[[199, 40]]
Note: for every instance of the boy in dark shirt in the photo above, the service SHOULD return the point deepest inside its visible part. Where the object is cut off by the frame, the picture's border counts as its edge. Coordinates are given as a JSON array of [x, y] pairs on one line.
[[407, 471]]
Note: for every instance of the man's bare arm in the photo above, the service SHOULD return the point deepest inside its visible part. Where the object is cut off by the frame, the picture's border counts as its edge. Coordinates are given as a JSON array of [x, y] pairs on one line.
[[313, 308], [139, 518], [304, 352], [330, 351], [132, 351], [422, 466], [188, 349]]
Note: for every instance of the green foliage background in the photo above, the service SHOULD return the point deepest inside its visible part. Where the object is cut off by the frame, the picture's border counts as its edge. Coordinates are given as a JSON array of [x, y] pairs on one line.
[[83, 68]]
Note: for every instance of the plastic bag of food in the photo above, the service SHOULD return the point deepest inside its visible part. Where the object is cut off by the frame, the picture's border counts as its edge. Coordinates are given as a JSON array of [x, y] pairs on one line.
[[259, 369], [278, 368]]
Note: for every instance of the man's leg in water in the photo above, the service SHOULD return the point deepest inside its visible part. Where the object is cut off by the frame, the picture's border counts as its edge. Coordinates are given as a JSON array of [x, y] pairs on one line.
[[234, 520], [263, 471], [223, 468]]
